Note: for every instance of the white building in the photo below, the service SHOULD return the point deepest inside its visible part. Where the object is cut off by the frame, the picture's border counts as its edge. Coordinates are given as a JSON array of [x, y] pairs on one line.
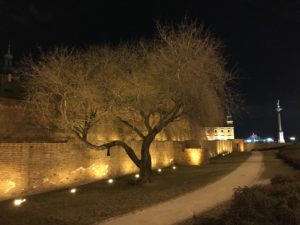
[[221, 133]]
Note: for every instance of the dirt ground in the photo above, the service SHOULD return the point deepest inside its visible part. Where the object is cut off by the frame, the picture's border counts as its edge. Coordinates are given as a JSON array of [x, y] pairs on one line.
[[258, 169], [184, 207]]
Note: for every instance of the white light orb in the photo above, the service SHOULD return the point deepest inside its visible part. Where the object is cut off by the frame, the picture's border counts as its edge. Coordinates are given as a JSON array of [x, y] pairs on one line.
[[73, 190], [110, 181], [159, 170], [18, 202], [174, 167], [137, 176]]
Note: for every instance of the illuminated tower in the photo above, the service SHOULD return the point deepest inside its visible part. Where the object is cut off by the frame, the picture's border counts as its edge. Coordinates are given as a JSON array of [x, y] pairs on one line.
[[229, 120], [280, 132]]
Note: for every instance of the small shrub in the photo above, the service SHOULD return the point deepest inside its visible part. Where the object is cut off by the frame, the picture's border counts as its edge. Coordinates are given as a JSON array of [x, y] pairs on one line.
[[274, 204], [280, 179]]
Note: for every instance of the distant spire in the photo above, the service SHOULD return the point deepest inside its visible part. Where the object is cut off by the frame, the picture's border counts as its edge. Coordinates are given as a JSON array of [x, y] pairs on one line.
[[8, 50], [229, 120], [8, 60]]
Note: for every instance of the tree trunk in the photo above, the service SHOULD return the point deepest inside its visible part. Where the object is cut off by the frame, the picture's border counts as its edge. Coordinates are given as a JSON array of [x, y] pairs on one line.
[[146, 163]]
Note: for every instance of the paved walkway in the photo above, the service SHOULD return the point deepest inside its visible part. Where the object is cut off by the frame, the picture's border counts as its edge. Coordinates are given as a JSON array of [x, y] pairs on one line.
[[196, 202]]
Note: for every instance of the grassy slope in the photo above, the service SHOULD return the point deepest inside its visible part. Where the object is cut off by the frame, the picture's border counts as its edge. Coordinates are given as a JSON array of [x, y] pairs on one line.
[[100, 200], [291, 155], [273, 167]]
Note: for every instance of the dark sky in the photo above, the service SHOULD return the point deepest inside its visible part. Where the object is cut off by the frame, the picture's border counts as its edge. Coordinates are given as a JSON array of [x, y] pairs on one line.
[[261, 41]]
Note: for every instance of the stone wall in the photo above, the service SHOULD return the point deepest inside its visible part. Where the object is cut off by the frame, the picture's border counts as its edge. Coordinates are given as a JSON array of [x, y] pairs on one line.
[[17, 122], [32, 167], [27, 168], [263, 146], [37, 167]]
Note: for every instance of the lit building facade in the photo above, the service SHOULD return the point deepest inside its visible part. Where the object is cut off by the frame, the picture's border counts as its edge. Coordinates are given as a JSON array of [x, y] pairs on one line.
[[221, 133]]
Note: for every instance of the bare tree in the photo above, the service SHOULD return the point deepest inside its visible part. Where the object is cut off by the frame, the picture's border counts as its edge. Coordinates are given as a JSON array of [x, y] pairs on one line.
[[60, 84], [146, 86]]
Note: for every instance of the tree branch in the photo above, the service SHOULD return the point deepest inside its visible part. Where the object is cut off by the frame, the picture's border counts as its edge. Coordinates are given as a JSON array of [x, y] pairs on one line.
[[171, 116], [146, 120], [134, 128], [129, 151]]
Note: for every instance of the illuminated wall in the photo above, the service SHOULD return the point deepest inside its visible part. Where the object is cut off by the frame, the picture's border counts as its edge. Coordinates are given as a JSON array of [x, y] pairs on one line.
[[37, 167]]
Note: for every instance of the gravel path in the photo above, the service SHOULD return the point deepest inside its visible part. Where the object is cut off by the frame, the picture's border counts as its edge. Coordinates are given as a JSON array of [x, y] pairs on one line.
[[196, 202]]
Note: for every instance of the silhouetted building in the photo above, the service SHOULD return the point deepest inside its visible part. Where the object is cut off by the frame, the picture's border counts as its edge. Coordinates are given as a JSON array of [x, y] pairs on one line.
[[10, 85]]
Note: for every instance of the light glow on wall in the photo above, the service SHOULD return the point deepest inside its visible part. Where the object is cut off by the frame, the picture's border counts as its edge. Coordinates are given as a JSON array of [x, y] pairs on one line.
[[242, 147], [99, 170], [195, 155], [8, 185]]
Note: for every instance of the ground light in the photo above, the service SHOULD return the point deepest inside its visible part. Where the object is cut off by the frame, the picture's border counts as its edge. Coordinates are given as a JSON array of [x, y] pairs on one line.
[[159, 170], [18, 202], [110, 181], [174, 167], [292, 139], [137, 175], [73, 190]]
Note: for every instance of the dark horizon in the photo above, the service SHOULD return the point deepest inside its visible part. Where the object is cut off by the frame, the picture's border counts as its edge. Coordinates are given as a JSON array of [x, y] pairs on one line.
[[260, 38]]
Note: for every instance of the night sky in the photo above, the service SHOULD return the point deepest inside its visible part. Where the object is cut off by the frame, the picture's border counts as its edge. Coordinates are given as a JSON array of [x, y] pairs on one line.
[[261, 41]]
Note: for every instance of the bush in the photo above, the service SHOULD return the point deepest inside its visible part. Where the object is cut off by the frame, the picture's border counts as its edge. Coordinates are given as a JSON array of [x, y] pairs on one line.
[[274, 204], [291, 156], [280, 179]]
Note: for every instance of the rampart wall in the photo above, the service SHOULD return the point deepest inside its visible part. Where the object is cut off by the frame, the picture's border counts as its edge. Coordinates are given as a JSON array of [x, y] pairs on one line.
[[263, 146], [37, 165], [27, 168]]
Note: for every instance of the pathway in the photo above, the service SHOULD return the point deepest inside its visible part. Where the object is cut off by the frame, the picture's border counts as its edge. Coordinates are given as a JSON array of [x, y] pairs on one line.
[[196, 202]]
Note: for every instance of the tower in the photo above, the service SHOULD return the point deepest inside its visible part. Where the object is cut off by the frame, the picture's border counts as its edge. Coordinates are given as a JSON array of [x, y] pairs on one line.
[[280, 132], [229, 120], [8, 60]]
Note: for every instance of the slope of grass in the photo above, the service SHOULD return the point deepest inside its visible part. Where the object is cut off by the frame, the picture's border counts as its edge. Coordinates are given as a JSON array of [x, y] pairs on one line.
[[274, 204], [100, 200], [291, 155]]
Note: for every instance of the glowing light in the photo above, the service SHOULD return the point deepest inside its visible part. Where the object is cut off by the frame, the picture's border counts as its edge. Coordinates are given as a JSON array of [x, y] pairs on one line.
[[10, 185], [99, 170], [268, 140], [194, 155], [110, 181], [159, 170], [18, 202], [292, 138], [174, 167], [73, 190], [137, 176]]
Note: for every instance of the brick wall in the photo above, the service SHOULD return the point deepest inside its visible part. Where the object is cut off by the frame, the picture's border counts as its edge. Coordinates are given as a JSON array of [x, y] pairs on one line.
[[27, 168], [31, 167]]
